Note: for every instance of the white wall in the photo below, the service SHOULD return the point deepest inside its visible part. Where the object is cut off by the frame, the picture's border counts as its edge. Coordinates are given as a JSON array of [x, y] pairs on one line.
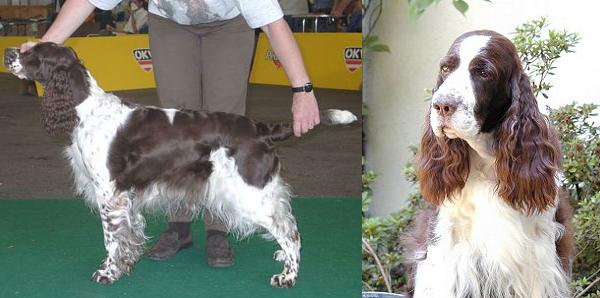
[[394, 82]]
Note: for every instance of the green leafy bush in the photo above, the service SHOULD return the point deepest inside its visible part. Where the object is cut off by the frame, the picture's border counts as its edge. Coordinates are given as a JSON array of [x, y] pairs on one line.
[[580, 137]]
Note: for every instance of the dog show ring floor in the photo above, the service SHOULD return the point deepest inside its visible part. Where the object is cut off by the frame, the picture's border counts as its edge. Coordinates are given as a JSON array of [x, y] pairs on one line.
[[49, 248]]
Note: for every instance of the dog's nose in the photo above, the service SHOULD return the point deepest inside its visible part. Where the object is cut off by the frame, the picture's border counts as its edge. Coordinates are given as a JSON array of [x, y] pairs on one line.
[[10, 55], [445, 105]]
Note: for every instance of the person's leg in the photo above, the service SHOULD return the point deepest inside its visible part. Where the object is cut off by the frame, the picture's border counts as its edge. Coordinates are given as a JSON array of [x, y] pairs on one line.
[[227, 50], [226, 57], [176, 64]]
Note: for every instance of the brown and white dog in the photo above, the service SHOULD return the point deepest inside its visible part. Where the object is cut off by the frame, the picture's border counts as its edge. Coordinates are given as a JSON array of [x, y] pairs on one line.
[[489, 163], [128, 157]]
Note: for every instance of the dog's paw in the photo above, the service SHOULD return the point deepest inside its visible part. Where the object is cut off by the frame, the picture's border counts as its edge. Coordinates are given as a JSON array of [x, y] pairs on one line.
[[282, 281], [103, 276], [279, 255]]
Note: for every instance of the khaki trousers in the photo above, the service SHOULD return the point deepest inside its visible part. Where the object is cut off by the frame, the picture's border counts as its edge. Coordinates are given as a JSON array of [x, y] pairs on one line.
[[201, 67]]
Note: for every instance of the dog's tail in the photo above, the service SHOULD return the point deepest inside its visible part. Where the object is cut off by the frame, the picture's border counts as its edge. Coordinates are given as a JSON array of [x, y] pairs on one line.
[[283, 130]]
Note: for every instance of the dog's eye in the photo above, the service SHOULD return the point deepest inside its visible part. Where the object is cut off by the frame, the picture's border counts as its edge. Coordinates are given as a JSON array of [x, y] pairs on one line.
[[483, 74], [445, 69]]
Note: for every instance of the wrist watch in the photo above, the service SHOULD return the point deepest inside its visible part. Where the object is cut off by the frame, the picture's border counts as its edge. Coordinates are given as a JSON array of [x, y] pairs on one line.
[[306, 88]]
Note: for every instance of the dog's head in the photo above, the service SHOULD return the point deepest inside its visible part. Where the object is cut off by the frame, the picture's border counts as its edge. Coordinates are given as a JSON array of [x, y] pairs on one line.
[[41, 61], [483, 102], [63, 76], [474, 87]]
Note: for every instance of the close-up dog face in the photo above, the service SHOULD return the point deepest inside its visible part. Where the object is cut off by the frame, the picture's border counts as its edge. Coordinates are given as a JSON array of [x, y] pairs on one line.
[[39, 62], [474, 85]]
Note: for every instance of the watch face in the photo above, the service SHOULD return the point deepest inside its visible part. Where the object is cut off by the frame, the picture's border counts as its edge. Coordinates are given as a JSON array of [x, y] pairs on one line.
[[308, 87]]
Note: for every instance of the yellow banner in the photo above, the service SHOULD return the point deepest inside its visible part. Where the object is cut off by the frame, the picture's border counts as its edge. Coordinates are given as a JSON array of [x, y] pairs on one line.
[[116, 62], [124, 62], [333, 60]]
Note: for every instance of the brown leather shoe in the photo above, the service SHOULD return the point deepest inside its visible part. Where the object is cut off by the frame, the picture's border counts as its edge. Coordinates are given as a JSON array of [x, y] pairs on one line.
[[218, 252], [171, 241]]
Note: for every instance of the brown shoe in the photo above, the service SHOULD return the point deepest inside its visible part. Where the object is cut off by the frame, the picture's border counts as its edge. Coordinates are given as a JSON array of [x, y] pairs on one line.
[[218, 252], [174, 239]]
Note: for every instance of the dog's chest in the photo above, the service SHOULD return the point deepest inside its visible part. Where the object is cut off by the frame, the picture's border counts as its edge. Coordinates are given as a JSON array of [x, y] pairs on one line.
[[89, 152], [483, 247]]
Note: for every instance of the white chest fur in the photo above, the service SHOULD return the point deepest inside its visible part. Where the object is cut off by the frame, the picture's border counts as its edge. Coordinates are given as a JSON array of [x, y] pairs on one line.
[[484, 248], [100, 116]]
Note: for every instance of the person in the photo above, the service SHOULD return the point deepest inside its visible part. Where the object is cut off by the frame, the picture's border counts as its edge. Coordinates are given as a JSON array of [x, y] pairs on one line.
[[202, 52], [351, 7], [138, 18], [322, 6]]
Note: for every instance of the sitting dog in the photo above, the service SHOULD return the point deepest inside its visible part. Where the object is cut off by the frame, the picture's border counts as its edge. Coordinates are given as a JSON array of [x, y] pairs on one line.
[[489, 164], [126, 157]]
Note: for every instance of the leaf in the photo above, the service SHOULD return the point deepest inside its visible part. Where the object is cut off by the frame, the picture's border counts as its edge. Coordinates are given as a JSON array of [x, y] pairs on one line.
[[371, 43], [371, 39], [461, 6], [417, 7], [379, 48]]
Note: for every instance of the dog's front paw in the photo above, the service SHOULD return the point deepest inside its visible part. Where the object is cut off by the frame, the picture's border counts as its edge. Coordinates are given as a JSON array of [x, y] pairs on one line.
[[279, 255], [282, 281], [104, 276]]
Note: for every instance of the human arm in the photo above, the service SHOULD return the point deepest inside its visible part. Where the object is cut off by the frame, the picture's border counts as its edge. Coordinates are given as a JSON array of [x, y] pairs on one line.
[[305, 109], [339, 6]]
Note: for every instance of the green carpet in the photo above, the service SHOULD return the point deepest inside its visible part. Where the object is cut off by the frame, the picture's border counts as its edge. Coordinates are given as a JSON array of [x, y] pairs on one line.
[[49, 248]]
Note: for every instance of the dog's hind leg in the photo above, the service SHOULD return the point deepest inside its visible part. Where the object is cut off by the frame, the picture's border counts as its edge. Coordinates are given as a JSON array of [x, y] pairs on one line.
[[124, 238], [282, 227]]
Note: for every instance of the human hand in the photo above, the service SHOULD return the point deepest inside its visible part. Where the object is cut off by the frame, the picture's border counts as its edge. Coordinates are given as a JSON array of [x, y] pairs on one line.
[[336, 13], [305, 111], [27, 45]]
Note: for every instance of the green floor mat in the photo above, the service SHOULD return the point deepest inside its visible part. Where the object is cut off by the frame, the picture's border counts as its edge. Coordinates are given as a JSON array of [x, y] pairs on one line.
[[49, 248]]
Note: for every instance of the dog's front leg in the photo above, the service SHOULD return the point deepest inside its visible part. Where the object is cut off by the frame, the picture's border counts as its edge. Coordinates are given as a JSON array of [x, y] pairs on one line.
[[123, 237]]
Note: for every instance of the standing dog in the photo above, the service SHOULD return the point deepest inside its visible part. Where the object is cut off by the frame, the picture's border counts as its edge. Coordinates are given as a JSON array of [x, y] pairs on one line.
[[127, 157], [489, 162]]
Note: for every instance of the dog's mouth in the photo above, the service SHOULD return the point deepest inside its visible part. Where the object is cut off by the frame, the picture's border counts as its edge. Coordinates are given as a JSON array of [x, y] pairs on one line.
[[449, 132]]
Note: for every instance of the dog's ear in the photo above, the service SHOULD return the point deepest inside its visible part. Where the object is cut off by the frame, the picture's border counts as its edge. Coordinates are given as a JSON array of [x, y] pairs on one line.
[[66, 88], [527, 152], [442, 165]]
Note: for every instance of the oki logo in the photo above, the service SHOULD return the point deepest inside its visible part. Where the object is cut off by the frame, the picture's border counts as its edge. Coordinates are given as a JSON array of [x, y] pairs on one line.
[[353, 58], [143, 58]]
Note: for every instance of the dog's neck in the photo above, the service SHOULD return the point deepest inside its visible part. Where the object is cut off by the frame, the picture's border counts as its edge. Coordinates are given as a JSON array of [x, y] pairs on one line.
[[94, 89], [482, 152], [98, 102]]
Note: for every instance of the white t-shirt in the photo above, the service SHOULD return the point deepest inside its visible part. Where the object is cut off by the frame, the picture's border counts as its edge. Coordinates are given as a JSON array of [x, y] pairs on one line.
[[257, 13]]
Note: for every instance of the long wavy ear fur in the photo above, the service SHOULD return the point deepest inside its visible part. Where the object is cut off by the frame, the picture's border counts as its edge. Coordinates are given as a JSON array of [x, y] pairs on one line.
[[66, 88], [442, 165], [528, 152]]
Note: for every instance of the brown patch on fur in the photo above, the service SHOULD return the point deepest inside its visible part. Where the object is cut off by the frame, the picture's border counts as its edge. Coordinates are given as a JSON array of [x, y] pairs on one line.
[[148, 149], [528, 152], [565, 245], [442, 166], [65, 84]]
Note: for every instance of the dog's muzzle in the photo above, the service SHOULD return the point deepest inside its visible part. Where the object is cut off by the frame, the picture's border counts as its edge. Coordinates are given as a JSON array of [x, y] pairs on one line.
[[10, 55], [12, 62], [445, 105]]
